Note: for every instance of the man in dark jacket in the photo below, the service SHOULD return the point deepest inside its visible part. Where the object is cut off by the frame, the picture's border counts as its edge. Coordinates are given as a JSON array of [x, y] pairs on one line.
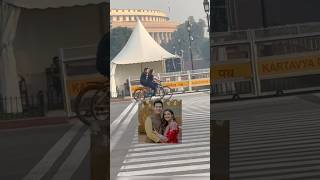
[[144, 77]]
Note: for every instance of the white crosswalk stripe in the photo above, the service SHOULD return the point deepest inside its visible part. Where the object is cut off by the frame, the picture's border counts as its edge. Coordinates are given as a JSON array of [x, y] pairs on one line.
[[189, 158], [278, 143]]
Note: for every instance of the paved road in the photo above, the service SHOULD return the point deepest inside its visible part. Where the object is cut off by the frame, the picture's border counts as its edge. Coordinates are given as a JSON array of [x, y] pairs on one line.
[[190, 158], [50, 152], [276, 138], [24, 148]]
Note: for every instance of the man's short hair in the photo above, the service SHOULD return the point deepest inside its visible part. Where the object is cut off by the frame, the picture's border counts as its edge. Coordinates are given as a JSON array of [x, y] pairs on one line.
[[158, 101]]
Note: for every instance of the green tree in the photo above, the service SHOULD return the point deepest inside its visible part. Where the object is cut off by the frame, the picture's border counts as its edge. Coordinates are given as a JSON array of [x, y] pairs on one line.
[[180, 40], [118, 39]]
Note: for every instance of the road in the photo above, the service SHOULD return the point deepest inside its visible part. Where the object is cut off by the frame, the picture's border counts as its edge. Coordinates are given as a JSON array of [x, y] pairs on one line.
[[49, 152], [275, 138], [60, 152]]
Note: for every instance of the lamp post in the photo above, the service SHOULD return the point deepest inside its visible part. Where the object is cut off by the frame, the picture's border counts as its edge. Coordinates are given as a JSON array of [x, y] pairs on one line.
[[190, 39], [206, 7]]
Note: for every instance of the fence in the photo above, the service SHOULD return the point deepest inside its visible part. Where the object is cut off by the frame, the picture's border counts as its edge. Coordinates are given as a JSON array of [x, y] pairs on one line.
[[31, 106], [266, 61], [179, 82]]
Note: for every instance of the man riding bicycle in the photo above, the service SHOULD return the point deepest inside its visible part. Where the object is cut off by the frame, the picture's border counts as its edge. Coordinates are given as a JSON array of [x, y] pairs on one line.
[[147, 79]]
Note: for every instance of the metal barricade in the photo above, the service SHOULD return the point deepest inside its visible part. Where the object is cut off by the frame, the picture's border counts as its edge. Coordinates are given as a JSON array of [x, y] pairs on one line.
[[265, 61], [179, 82]]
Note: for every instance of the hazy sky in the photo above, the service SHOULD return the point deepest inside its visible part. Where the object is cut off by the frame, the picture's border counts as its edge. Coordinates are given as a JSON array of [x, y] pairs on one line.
[[180, 10]]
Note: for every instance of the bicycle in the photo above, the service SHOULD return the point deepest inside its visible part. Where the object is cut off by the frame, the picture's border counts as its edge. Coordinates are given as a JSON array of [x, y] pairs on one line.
[[85, 99], [145, 92], [100, 105]]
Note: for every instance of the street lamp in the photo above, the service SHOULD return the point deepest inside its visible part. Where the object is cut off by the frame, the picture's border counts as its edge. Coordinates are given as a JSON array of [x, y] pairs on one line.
[[190, 39], [206, 7]]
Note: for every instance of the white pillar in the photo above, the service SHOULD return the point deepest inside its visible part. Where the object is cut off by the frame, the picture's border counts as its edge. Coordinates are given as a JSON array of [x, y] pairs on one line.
[[129, 81], [189, 79], [167, 36], [158, 37]]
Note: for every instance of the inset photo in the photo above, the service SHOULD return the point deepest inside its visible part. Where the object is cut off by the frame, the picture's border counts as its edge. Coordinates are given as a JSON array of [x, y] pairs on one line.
[[160, 121]]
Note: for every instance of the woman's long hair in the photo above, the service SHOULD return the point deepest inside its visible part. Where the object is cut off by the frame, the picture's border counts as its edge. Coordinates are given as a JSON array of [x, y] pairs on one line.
[[150, 74], [164, 123]]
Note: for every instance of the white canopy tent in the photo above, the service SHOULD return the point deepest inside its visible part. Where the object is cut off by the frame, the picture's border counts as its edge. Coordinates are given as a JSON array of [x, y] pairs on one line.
[[140, 51], [11, 11]]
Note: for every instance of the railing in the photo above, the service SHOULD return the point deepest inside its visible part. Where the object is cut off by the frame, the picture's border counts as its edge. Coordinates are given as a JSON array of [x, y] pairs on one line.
[[32, 106], [266, 61], [183, 81]]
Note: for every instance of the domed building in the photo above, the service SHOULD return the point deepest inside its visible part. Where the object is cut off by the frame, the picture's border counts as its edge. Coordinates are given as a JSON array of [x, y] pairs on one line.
[[156, 22]]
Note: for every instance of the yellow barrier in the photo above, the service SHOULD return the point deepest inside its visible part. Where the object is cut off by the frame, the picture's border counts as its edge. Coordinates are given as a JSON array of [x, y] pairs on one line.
[[200, 82], [176, 84], [180, 84], [289, 65], [229, 71], [74, 86]]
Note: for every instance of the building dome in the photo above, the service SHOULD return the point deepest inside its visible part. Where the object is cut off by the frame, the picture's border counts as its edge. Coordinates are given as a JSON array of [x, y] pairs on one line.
[[155, 21]]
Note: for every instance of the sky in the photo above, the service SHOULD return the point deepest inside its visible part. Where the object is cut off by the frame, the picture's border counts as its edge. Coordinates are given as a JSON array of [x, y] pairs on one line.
[[180, 10]]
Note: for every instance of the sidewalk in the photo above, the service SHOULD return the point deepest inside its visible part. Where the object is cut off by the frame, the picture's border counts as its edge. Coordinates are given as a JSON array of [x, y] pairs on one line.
[[124, 99], [52, 118]]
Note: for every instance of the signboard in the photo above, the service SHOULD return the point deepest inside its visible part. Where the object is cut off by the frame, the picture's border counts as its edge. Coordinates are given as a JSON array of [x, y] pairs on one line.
[[231, 71], [289, 66]]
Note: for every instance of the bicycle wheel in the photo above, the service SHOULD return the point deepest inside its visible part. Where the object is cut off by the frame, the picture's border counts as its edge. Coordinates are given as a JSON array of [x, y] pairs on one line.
[[100, 104], [83, 103], [160, 92], [168, 92], [138, 95]]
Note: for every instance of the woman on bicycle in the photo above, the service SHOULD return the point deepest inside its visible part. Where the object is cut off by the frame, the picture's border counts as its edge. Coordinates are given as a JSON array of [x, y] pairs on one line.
[[153, 81]]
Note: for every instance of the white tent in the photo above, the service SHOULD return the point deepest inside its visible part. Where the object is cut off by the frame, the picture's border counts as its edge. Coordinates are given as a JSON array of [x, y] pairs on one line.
[[43, 26], [140, 51]]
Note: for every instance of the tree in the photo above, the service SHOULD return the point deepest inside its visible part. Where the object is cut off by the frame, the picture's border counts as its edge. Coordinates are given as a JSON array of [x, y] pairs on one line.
[[118, 39], [180, 41]]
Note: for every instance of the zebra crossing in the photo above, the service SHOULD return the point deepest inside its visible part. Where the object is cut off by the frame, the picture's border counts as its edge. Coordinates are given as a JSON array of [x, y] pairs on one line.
[[189, 158], [276, 144], [277, 147]]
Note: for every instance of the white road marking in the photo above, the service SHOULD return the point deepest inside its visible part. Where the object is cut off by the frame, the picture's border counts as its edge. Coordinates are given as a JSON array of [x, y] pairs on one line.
[[165, 163], [168, 146], [168, 151], [166, 170], [167, 157], [116, 122], [43, 166], [71, 164], [123, 127]]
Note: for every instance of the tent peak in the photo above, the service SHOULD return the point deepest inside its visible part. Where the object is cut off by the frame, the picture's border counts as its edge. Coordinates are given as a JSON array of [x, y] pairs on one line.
[[141, 48]]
